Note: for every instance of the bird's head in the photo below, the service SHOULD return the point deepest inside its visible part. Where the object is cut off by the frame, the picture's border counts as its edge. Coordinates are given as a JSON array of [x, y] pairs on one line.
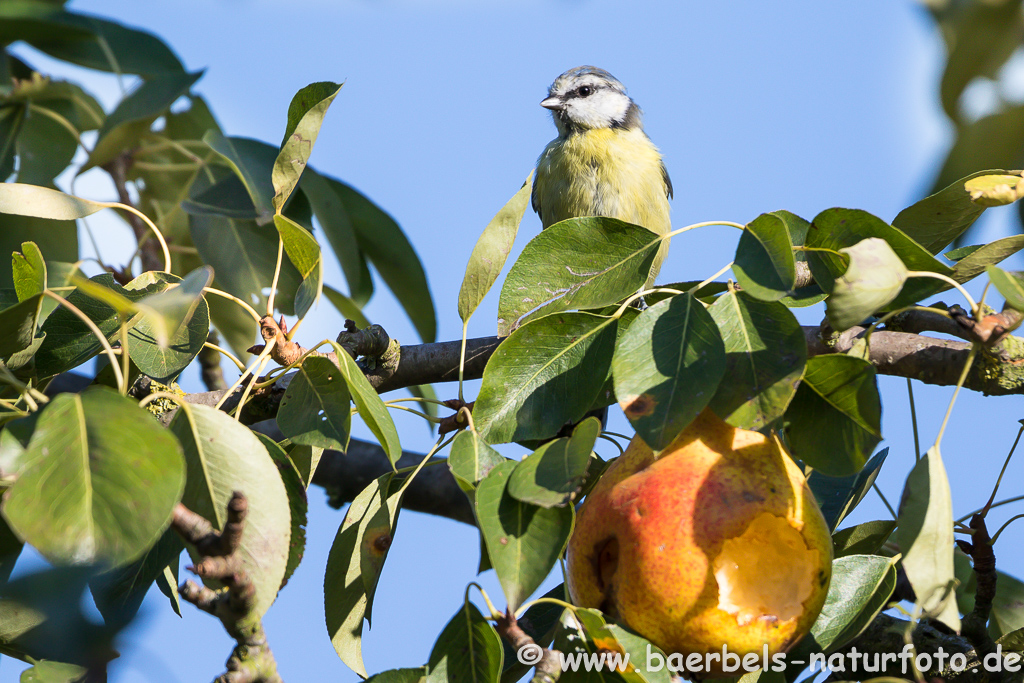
[[587, 97]]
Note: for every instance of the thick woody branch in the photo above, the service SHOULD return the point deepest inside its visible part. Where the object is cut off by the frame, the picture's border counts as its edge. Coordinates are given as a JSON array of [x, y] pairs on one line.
[[149, 249], [251, 661]]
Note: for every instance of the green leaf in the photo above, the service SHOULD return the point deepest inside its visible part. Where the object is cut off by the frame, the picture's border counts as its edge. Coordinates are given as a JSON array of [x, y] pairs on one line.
[[99, 482], [863, 539], [860, 588], [834, 229], [86, 40], [19, 325], [54, 672], [553, 475], [1007, 613], [243, 256], [175, 322], [835, 417], [58, 240], [838, 496], [468, 649], [223, 456], [135, 114], [298, 504], [354, 565], [10, 549], [118, 594], [576, 264], [667, 366], [491, 251], [765, 354], [1010, 285], [305, 459], [471, 459], [939, 219], [305, 115], [765, 266], [369, 405], [45, 147], [976, 261], [253, 162], [347, 307], [523, 540], [925, 536], [384, 243], [315, 408], [29, 270], [989, 142], [417, 675], [304, 253], [548, 373], [42, 202], [995, 190], [337, 227], [874, 278]]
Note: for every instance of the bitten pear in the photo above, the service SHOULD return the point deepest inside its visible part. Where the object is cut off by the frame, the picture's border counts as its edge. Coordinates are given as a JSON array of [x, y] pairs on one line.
[[714, 542]]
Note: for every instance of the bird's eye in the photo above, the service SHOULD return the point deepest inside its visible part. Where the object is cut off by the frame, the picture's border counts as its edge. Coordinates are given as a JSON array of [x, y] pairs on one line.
[[585, 91]]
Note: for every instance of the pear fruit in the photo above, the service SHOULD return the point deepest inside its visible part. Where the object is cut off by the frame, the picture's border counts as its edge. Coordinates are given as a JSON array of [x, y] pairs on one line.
[[716, 541]]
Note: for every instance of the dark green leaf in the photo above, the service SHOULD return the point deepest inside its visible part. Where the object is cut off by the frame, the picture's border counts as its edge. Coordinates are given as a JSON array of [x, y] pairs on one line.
[[939, 219], [384, 243], [1007, 613], [468, 649], [305, 115], [354, 566], [491, 251], [337, 226], [834, 229], [253, 162], [224, 456], [175, 322], [369, 405], [863, 539], [58, 240], [553, 475], [10, 549], [418, 675], [134, 115], [45, 148], [95, 462], [305, 459], [765, 266], [118, 594], [765, 354], [666, 368], [226, 197], [315, 410], [835, 417], [838, 496], [925, 537], [523, 540], [19, 325], [990, 142], [548, 373], [576, 264]]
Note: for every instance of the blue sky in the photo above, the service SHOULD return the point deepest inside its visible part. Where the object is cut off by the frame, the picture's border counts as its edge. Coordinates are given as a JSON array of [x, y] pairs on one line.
[[756, 106]]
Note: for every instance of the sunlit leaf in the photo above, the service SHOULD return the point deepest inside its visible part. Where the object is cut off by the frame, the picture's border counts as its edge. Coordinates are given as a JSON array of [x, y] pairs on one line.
[[304, 253], [29, 270], [354, 565], [925, 535], [554, 473], [874, 278], [369, 405], [315, 408], [548, 373], [491, 250], [305, 115], [337, 227], [99, 480], [1010, 285], [974, 263], [42, 202], [765, 266], [576, 264]]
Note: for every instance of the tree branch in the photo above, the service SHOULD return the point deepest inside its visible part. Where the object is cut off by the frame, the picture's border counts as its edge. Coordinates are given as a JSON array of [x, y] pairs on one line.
[[149, 249]]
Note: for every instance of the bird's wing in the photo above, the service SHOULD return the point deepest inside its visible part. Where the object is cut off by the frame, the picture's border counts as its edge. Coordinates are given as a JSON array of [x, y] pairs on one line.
[[664, 176], [534, 195]]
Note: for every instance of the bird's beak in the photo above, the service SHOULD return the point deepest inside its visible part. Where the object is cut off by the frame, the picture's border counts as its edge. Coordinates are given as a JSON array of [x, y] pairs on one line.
[[552, 103]]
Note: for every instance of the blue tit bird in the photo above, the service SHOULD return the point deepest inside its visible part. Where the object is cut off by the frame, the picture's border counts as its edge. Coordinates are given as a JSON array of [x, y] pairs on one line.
[[602, 163]]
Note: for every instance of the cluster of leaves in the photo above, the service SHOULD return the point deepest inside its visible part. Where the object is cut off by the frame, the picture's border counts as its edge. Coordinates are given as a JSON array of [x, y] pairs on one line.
[[575, 345], [91, 479]]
